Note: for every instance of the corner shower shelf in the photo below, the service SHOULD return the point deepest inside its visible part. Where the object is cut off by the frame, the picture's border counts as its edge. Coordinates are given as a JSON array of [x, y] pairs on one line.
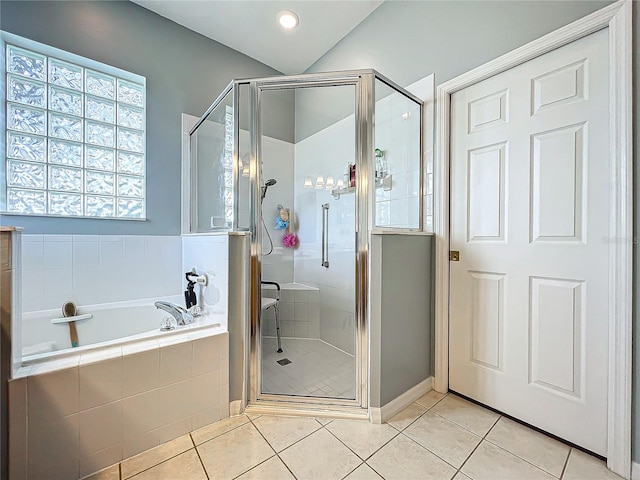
[[384, 183]]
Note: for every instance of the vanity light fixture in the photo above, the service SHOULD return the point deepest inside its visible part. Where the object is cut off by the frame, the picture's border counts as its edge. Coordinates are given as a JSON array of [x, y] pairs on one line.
[[288, 20], [329, 183]]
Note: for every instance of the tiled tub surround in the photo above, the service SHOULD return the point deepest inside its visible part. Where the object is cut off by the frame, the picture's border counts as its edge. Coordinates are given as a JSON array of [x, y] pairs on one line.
[[299, 311], [92, 269], [79, 414]]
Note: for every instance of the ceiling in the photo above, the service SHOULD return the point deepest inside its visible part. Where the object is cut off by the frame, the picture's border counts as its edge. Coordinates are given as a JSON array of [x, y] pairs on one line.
[[252, 28]]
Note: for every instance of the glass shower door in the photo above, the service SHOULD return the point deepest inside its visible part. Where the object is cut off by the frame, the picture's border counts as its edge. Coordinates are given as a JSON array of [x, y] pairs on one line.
[[307, 248], [212, 184]]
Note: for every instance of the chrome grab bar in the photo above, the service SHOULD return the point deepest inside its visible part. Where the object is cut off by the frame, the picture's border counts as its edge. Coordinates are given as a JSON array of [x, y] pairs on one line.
[[325, 235]]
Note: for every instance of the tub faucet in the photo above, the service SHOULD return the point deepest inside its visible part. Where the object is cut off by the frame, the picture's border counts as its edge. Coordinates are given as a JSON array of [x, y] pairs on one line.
[[176, 311]]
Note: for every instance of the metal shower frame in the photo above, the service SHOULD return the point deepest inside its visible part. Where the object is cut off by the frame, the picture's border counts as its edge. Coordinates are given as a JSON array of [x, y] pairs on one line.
[[364, 83]]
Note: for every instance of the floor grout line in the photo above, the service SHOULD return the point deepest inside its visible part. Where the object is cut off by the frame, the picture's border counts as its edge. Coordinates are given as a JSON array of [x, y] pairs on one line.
[[286, 466], [351, 471], [432, 452], [528, 461], [297, 441], [159, 463], [414, 421], [223, 433], [566, 462], [376, 451], [478, 445], [201, 462], [270, 446], [255, 466]]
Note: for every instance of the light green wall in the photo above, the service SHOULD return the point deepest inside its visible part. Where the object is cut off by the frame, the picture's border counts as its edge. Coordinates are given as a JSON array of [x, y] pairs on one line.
[[185, 72]]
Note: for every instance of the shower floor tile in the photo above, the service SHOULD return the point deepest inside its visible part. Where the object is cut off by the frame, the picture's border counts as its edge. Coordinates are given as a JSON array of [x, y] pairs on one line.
[[316, 369]]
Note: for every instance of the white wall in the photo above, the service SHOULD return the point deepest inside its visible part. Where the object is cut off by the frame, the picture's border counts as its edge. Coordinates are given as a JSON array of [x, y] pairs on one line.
[[90, 269], [277, 163], [209, 254]]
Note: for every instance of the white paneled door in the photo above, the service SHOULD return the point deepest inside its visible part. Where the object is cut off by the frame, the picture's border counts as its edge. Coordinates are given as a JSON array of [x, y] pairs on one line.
[[529, 216]]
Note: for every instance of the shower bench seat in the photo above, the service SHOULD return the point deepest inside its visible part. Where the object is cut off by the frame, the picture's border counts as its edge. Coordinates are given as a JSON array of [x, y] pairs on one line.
[[299, 311]]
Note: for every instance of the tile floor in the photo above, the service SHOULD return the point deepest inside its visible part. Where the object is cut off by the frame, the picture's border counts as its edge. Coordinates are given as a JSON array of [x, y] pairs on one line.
[[317, 369], [437, 437]]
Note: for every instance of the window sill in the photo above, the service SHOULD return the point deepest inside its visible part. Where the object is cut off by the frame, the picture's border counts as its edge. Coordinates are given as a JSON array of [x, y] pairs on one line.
[[82, 217]]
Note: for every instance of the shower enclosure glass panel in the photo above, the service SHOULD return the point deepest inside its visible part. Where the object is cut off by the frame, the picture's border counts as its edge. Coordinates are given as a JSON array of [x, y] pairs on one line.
[[212, 185], [316, 274], [308, 165], [398, 166]]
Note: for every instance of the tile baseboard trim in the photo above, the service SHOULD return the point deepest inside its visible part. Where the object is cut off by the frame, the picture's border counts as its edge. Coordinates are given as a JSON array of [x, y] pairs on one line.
[[384, 413], [635, 471], [235, 408]]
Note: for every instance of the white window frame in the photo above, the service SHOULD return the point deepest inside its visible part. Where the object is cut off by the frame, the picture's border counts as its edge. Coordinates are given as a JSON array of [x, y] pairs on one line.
[[48, 51]]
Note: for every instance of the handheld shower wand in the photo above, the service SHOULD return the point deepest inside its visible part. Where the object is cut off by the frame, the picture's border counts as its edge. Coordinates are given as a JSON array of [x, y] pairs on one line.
[[269, 183]]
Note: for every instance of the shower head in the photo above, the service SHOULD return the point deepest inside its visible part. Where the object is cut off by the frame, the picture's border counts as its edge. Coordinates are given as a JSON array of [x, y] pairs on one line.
[[269, 183]]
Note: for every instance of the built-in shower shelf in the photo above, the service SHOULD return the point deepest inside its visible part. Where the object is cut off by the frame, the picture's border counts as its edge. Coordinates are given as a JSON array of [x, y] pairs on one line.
[[384, 183]]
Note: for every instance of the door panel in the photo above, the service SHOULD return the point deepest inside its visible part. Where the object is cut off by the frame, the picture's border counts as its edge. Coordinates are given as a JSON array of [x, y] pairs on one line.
[[487, 314], [529, 215], [556, 326], [558, 170]]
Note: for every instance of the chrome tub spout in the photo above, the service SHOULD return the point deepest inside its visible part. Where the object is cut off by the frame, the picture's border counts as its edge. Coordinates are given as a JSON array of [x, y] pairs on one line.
[[182, 316]]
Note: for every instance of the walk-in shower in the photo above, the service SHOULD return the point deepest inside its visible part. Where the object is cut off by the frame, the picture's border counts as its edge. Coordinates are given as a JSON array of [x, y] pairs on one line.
[[317, 162]]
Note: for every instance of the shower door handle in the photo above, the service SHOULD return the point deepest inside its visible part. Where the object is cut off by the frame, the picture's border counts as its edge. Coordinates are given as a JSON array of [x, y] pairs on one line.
[[325, 235]]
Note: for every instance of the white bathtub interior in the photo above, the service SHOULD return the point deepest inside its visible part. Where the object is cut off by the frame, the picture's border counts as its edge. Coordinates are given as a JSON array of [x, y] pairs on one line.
[[108, 325]]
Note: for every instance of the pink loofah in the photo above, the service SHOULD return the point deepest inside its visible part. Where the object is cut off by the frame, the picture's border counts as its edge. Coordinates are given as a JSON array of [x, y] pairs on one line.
[[290, 240]]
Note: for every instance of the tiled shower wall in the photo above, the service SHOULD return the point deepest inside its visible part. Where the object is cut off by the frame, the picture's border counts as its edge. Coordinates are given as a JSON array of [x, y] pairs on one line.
[[326, 153], [277, 163], [90, 269]]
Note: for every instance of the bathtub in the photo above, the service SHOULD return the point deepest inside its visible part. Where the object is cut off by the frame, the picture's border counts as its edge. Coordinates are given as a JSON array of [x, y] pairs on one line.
[[127, 388], [111, 324]]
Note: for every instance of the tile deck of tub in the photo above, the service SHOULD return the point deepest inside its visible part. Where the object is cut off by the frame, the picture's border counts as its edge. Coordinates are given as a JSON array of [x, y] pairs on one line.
[[437, 437]]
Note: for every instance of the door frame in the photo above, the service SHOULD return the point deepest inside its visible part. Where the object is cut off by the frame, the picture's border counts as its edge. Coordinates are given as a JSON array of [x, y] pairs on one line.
[[617, 18]]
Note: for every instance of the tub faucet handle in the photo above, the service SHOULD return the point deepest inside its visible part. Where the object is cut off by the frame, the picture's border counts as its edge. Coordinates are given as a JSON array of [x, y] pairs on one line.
[[182, 316]]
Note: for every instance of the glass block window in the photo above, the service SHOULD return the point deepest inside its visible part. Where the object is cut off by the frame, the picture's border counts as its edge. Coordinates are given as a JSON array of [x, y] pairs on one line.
[[228, 165], [75, 138]]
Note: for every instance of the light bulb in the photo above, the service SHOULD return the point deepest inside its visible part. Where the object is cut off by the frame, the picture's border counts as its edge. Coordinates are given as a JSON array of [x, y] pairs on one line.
[[288, 20], [319, 182], [308, 183]]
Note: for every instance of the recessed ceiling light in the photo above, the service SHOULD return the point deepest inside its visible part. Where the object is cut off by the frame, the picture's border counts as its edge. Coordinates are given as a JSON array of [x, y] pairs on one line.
[[288, 20]]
